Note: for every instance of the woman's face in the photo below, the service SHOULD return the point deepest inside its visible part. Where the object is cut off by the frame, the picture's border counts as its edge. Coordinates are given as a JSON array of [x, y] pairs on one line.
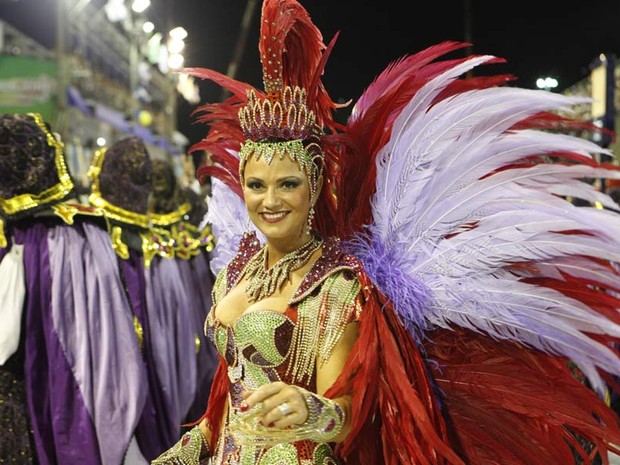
[[277, 197]]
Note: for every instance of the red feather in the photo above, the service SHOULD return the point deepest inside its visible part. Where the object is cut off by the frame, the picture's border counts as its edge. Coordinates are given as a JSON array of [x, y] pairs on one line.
[[291, 46], [231, 180], [237, 88], [508, 404], [217, 403], [395, 418]]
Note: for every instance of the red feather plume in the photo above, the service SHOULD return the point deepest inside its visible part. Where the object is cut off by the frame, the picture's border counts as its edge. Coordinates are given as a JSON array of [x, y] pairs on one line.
[[509, 404], [291, 47]]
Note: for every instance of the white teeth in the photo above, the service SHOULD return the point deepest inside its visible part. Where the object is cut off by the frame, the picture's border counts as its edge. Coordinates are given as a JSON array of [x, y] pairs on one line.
[[273, 216]]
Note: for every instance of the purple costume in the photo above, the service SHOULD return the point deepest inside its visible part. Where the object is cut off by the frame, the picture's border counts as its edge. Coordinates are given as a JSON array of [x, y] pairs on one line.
[[163, 304], [171, 212], [77, 375]]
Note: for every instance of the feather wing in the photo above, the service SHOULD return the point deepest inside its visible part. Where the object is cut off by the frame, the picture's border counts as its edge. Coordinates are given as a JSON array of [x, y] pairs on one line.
[[469, 193], [511, 405]]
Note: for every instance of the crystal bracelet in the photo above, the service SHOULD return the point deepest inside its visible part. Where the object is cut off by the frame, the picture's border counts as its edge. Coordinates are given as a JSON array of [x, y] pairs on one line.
[[191, 449]]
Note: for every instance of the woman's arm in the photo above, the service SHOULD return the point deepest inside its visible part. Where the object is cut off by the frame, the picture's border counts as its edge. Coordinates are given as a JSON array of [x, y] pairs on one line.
[[328, 372], [285, 406]]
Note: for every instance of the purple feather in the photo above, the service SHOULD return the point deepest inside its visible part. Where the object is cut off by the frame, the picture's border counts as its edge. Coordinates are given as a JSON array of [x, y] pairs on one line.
[[409, 295]]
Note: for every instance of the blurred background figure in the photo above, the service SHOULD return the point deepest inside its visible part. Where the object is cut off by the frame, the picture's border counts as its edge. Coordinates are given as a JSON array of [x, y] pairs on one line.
[[168, 197], [69, 358], [163, 260], [121, 183], [175, 212]]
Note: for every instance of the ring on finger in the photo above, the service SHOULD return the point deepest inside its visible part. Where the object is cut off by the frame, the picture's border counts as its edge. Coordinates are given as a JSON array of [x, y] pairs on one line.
[[284, 409]]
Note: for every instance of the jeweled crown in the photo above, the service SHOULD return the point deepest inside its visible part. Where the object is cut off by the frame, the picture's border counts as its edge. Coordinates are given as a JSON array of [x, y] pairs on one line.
[[282, 115]]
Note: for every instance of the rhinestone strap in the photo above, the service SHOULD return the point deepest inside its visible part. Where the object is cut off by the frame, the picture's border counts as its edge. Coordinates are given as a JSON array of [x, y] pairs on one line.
[[325, 416]]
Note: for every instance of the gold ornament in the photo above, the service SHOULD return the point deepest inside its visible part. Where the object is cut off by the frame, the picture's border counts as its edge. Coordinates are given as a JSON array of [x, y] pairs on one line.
[[264, 282]]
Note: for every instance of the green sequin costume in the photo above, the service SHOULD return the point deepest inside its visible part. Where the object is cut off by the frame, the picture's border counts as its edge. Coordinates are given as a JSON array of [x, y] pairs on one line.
[[265, 346]]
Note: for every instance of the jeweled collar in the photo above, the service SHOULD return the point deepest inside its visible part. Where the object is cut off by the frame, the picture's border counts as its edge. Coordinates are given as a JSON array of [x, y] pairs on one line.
[[332, 260]]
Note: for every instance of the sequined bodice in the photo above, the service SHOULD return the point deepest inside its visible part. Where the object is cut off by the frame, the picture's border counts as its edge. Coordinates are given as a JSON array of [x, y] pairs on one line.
[[257, 348], [263, 346], [258, 342]]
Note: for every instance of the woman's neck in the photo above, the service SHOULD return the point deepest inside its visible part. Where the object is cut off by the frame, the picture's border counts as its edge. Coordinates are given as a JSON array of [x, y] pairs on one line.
[[276, 250]]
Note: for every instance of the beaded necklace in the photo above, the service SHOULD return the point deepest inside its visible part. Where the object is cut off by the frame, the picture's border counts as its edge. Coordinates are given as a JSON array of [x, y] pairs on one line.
[[264, 282]]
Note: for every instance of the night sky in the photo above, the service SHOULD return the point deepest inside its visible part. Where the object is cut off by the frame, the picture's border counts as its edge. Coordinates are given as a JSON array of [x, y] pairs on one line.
[[536, 38]]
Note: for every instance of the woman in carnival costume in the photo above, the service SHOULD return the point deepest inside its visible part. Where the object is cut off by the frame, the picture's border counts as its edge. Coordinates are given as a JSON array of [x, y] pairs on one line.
[[69, 361], [419, 288]]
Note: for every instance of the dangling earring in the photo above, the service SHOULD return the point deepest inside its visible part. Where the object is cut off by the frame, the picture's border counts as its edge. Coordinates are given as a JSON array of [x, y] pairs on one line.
[[310, 218], [247, 231]]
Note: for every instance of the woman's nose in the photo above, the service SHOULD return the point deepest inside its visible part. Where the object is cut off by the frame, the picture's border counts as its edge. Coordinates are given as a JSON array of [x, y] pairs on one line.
[[271, 198]]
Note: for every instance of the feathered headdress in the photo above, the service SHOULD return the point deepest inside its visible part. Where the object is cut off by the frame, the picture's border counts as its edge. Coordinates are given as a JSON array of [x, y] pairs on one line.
[[291, 117]]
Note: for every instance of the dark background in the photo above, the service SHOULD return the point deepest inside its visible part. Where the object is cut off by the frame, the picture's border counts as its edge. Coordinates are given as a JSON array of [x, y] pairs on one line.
[[536, 38]]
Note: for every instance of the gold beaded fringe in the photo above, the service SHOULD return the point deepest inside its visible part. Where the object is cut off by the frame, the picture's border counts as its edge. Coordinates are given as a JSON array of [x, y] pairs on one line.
[[264, 282]]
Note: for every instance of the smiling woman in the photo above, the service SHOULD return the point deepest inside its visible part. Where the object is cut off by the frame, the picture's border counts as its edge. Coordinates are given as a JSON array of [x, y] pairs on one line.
[[422, 291], [279, 202]]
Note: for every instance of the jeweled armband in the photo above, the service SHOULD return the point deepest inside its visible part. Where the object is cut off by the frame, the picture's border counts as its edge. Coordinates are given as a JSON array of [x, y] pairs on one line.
[[325, 417], [192, 449]]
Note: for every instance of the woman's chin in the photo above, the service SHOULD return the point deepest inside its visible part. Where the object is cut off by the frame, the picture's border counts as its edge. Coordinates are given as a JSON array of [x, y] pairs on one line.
[[277, 234]]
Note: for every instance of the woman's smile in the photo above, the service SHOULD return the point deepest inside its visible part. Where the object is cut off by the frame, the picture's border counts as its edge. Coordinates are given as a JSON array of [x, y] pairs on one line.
[[277, 196], [271, 217]]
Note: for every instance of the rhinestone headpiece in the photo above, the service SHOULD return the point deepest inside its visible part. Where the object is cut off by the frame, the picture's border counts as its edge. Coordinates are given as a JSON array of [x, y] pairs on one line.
[[281, 116], [291, 117], [281, 124]]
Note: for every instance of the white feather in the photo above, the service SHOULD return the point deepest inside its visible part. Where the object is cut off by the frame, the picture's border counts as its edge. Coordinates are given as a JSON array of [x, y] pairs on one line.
[[456, 220], [229, 219], [532, 315]]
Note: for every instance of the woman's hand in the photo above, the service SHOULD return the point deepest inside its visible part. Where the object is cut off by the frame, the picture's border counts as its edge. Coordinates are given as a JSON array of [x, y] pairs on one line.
[[283, 405]]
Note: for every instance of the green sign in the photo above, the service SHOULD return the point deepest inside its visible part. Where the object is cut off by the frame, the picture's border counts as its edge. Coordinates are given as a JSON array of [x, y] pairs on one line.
[[28, 85]]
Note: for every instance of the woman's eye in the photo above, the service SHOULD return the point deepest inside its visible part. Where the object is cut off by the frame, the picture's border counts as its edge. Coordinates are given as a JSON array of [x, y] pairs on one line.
[[254, 185], [290, 184]]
